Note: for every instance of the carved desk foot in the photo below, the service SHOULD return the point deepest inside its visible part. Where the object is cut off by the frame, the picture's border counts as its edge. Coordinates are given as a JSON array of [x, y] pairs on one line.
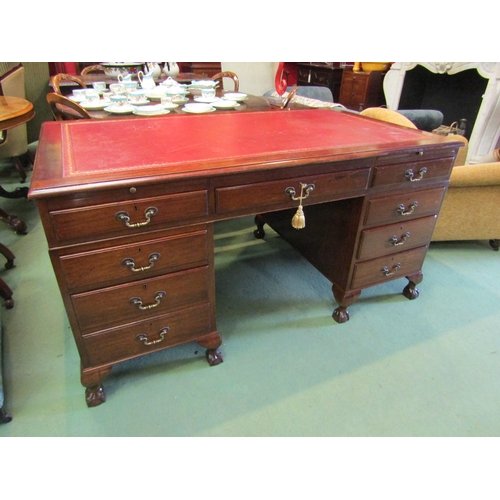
[[344, 300], [212, 344], [5, 417], [94, 390], [259, 233], [410, 291]]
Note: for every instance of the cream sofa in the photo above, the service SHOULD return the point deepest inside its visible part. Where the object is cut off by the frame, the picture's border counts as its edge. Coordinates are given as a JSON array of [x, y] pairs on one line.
[[471, 206]]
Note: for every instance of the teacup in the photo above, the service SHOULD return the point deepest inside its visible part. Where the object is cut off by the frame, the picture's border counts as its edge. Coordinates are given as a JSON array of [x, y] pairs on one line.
[[92, 96], [124, 78], [99, 86], [130, 85], [208, 94], [166, 99], [118, 100], [136, 95], [117, 88], [79, 94]]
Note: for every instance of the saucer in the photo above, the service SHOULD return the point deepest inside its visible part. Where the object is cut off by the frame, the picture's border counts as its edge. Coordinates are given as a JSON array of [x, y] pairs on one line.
[[180, 100], [187, 110], [225, 104], [93, 106], [120, 110], [139, 112], [139, 103], [76, 98]]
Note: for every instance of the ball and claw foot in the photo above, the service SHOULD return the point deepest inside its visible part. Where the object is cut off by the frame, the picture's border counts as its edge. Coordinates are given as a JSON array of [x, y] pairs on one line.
[[411, 291], [95, 395], [214, 357], [341, 315], [5, 417]]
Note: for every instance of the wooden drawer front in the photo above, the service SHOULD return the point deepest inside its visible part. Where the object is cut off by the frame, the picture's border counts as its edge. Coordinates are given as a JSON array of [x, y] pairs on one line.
[[399, 265], [321, 78], [419, 155], [101, 266], [395, 237], [100, 220], [119, 305], [258, 197], [122, 343], [404, 206], [412, 172]]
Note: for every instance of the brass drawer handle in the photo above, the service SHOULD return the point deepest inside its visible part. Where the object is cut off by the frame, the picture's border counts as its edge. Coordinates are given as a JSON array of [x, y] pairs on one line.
[[142, 337], [402, 211], [129, 262], [395, 269], [396, 243], [299, 219], [136, 301], [409, 174], [125, 217]]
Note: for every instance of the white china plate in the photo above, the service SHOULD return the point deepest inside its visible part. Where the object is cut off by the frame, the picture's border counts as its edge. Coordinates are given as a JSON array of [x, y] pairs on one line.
[[236, 96], [170, 105], [120, 110], [206, 99], [158, 113], [76, 98], [93, 106], [225, 104], [187, 110]]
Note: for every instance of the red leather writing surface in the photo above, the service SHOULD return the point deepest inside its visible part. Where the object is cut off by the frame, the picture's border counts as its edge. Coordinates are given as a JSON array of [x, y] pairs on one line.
[[202, 142]]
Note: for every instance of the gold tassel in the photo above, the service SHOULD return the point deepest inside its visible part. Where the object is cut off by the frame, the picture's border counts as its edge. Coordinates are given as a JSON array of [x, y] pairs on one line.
[[299, 219]]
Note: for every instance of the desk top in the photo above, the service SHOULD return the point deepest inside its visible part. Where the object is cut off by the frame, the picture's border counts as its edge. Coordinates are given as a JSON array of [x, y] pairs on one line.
[[75, 154], [14, 111]]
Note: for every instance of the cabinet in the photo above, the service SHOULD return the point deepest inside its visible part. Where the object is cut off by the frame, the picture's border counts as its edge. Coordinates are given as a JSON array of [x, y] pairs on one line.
[[206, 69], [360, 90], [320, 75]]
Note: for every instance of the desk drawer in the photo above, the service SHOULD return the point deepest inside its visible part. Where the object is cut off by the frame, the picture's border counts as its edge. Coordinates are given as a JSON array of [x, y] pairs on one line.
[[150, 258], [169, 330], [399, 265], [393, 238], [404, 206], [412, 172], [100, 309], [263, 196], [102, 220]]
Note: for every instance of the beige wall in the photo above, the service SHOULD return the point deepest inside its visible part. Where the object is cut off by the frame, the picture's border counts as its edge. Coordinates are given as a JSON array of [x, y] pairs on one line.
[[255, 77]]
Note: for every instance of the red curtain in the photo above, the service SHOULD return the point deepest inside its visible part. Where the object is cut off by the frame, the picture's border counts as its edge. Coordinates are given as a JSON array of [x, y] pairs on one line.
[[62, 67]]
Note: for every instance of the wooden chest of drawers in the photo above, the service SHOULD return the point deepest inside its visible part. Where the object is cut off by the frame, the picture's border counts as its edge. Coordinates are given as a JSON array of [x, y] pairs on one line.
[[131, 242], [360, 90]]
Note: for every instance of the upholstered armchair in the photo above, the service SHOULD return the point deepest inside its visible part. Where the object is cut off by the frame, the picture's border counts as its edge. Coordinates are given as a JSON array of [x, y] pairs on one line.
[[471, 207]]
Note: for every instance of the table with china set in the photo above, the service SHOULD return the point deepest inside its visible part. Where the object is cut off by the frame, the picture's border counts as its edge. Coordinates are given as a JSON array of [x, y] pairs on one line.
[[143, 97]]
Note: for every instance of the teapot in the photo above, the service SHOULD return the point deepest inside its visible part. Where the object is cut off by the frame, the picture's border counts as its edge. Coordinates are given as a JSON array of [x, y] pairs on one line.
[[171, 68], [146, 80], [154, 67]]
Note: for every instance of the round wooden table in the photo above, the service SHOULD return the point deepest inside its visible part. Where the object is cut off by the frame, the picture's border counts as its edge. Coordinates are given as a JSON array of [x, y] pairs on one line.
[[14, 111]]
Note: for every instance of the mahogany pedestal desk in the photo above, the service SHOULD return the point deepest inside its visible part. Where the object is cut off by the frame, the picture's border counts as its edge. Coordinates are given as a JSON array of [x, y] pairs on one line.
[[128, 208]]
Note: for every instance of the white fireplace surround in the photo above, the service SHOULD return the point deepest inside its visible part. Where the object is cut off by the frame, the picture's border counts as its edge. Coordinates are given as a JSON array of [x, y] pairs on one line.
[[486, 131]]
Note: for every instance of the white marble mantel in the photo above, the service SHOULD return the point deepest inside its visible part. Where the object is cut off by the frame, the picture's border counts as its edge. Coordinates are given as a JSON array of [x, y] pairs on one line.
[[486, 130]]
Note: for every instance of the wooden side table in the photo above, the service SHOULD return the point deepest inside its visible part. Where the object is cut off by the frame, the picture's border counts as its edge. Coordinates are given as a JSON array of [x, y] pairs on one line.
[[360, 90]]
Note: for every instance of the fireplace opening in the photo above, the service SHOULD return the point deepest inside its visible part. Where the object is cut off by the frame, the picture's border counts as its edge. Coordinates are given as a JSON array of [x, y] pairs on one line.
[[456, 96]]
